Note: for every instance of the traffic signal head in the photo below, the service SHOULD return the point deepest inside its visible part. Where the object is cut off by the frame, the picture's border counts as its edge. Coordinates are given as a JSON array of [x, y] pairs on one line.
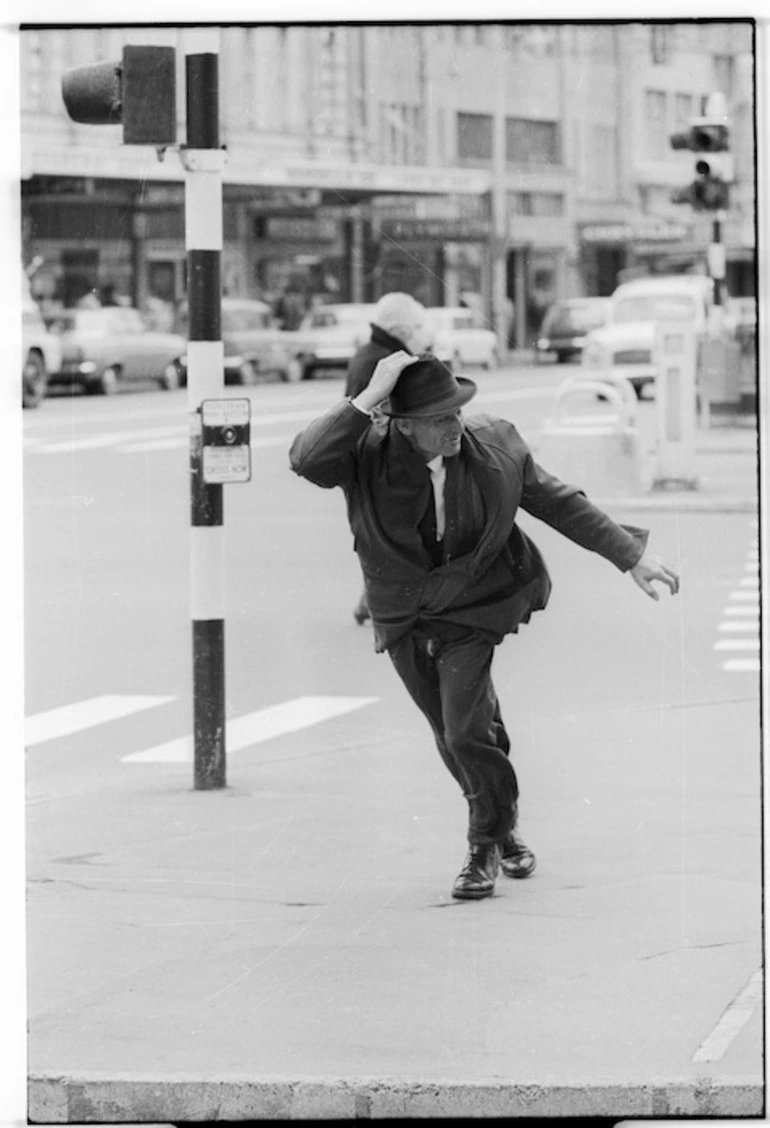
[[139, 92], [708, 192], [92, 93], [703, 136]]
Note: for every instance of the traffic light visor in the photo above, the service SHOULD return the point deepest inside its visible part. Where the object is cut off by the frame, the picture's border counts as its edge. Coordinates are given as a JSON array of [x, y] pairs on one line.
[[92, 93]]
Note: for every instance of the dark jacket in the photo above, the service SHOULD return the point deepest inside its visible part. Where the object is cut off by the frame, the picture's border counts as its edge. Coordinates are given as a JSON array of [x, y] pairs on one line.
[[493, 576], [362, 365]]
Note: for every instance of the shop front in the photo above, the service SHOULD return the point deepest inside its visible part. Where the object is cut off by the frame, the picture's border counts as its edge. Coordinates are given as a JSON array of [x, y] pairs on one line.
[[439, 261], [608, 253]]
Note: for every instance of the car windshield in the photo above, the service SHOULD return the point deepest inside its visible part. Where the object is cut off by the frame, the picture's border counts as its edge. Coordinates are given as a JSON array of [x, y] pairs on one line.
[[82, 320], [653, 307], [238, 320], [563, 319]]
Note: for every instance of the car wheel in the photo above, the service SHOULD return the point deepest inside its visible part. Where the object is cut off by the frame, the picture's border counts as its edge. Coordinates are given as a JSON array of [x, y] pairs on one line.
[[107, 384], [562, 357], [172, 377], [493, 361], [308, 372], [33, 380], [293, 372], [247, 374]]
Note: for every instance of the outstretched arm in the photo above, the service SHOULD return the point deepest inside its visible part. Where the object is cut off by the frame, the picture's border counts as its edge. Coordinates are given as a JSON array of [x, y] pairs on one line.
[[649, 569]]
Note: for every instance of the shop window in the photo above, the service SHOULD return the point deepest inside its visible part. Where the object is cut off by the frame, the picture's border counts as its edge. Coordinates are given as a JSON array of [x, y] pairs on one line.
[[474, 137], [532, 142]]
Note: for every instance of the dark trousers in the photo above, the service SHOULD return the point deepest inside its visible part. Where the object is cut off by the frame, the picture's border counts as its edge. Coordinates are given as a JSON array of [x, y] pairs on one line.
[[450, 681]]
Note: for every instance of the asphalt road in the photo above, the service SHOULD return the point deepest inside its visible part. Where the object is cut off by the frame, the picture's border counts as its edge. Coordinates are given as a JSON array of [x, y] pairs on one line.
[[635, 728]]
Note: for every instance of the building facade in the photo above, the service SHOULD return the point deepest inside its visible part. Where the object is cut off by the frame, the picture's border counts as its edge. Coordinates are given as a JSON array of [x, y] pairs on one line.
[[367, 158]]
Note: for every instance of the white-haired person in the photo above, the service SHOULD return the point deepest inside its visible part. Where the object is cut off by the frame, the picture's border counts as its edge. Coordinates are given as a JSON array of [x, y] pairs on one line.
[[399, 324]]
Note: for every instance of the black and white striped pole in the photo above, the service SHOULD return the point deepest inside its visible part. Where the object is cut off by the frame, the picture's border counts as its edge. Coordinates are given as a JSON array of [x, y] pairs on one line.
[[203, 160]]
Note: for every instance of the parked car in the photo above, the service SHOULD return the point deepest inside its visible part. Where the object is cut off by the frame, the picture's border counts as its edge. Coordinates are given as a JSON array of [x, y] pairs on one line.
[[624, 346], [111, 346], [41, 350], [462, 339], [254, 345], [566, 324], [330, 334]]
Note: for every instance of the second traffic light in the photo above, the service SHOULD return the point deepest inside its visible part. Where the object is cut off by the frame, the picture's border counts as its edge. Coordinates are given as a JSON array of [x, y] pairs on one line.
[[139, 92], [709, 137], [706, 193]]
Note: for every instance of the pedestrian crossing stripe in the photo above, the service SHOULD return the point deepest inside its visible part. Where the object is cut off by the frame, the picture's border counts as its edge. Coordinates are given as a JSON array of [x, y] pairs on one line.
[[68, 719], [255, 728], [741, 665], [737, 644], [739, 625]]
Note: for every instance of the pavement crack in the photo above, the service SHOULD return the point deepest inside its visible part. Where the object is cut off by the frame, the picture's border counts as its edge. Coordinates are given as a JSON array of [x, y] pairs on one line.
[[692, 948]]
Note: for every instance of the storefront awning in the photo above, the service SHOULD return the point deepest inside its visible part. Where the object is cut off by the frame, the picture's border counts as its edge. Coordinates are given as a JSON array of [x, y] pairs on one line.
[[352, 181]]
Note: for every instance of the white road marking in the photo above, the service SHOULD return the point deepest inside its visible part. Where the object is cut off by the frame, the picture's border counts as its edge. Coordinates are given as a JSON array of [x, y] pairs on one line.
[[741, 665], [742, 609], [84, 714], [106, 439], [737, 644], [254, 728], [749, 581], [146, 439], [180, 444], [740, 625], [752, 595], [732, 1021]]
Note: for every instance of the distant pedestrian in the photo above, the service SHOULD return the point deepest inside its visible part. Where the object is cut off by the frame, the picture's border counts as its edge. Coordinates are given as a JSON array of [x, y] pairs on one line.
[[399, 324], [432, 501]]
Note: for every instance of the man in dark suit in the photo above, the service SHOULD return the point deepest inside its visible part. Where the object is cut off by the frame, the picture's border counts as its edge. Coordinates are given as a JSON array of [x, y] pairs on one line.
[[399, 324], [432, 501]]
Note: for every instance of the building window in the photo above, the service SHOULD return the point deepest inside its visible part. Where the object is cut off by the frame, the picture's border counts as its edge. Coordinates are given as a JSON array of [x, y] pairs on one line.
[[600, 180], [532, 142], [543, 205], [684, 105], [661, 44], [656, 140], [723, 74], [474, 137]]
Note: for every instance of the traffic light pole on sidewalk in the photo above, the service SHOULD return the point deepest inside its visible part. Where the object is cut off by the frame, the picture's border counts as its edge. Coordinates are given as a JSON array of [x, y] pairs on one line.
[[203, 159], [139, 93]]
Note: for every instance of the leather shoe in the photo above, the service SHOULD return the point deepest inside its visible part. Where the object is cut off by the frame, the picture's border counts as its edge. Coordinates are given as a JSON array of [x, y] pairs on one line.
[[477, 877], [517, 859]]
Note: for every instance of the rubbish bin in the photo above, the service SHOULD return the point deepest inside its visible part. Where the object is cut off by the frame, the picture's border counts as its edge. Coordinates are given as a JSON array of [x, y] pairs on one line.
[[719, 371]]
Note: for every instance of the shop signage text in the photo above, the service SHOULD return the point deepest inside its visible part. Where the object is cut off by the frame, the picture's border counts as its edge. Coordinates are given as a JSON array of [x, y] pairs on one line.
[[648, 229], [446, 229]]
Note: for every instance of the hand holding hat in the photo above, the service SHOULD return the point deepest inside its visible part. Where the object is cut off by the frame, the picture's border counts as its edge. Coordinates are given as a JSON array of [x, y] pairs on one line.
[[384, 379]]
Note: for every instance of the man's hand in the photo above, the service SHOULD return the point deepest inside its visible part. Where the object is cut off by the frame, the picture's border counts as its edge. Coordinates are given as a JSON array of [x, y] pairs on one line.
[[384, 379], [651, 568]]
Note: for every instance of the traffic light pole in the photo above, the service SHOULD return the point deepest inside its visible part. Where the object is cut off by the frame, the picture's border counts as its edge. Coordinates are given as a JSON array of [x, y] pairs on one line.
[[203, 159]]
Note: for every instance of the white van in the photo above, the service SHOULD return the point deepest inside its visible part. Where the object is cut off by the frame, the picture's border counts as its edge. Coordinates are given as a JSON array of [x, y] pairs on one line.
[[624, 345], [41, 350]]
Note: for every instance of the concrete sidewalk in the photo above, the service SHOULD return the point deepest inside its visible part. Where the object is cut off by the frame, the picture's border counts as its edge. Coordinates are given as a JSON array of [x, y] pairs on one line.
[[288, 947]]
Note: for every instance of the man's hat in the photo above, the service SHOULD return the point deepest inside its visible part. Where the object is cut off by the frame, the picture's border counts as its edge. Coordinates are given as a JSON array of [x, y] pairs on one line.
[[426, 388]]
